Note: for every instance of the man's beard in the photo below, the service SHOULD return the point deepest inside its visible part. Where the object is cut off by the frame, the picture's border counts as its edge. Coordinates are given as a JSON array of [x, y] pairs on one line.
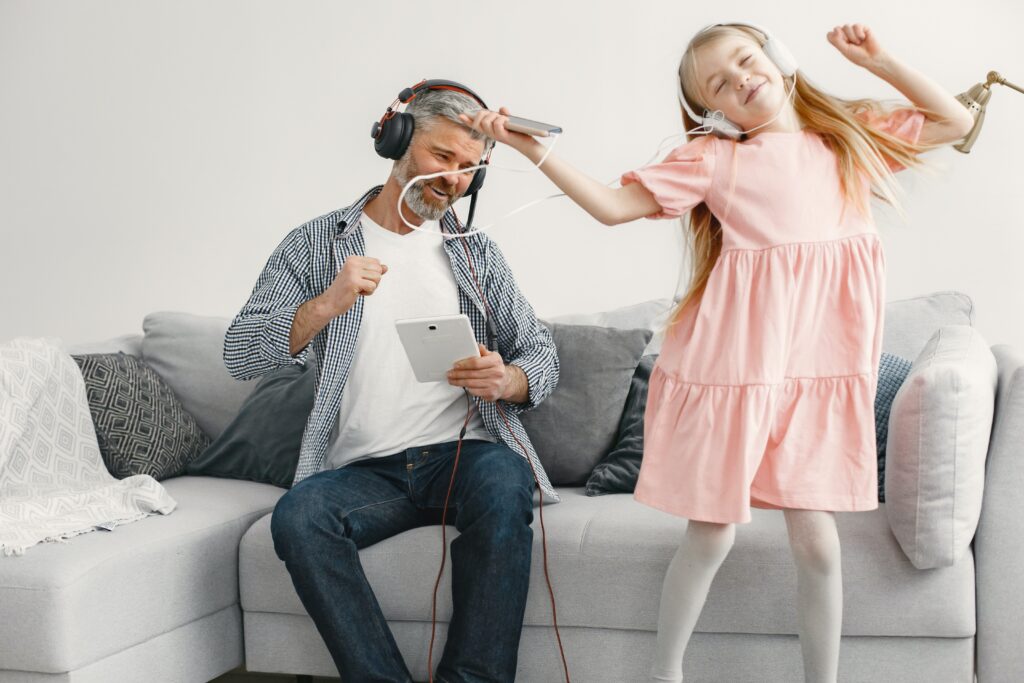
[[416, 198]]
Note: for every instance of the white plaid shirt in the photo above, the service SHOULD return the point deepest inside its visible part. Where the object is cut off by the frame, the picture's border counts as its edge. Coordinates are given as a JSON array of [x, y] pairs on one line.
[[305, 264]]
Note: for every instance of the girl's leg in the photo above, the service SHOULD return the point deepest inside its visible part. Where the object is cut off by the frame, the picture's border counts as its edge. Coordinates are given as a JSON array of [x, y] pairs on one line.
[[815, 544], [684, 591]]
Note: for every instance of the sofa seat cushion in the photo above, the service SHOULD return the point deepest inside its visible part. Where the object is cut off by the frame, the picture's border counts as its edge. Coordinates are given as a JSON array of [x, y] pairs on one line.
[[607, 557], [66, 605]]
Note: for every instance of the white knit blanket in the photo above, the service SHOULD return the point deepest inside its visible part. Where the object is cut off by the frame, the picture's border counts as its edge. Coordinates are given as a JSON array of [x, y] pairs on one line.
[[53, 483]]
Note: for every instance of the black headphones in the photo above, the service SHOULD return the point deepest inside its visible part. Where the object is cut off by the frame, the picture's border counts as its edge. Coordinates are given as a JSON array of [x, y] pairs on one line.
[[392, 134]]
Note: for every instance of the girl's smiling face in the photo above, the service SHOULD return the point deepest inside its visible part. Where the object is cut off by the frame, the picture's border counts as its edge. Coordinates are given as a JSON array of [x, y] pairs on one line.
[[735, 76]]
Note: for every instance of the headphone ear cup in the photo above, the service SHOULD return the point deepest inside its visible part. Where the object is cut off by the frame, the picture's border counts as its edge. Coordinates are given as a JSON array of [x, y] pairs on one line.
[[780, 54], [476, 183], [720, 126], [727, 129], [394, 137]]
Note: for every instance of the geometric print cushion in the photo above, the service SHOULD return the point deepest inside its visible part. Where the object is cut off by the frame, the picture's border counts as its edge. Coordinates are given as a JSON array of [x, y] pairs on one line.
[[141, 425], [892, 370]]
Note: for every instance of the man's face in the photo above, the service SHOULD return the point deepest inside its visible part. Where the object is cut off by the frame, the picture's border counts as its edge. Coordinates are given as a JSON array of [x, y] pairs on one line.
[[447, 146]]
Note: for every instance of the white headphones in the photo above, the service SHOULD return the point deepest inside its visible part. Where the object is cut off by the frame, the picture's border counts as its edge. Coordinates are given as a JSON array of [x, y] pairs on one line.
[[714, 121]]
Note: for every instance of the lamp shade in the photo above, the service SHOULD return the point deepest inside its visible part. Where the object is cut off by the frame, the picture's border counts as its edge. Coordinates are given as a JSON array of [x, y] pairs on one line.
[[975, 100]]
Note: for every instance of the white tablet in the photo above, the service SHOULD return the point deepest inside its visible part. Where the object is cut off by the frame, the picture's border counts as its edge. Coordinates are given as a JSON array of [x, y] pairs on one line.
[[434, 344]]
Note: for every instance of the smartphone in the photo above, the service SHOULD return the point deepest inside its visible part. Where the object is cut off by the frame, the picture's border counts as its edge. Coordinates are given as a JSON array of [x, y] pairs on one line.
[[434, 344], [529, 127]]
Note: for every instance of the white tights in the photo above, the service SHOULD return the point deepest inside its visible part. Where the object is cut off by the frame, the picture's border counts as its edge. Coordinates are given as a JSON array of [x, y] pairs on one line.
[[815, 545]]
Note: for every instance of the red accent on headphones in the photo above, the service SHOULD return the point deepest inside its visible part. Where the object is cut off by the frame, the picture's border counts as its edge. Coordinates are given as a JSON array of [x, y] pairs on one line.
[[393, 132]]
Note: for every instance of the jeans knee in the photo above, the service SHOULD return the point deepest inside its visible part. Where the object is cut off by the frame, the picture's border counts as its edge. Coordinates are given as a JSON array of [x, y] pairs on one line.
[[290, 523], [501, 520], [508, 517]]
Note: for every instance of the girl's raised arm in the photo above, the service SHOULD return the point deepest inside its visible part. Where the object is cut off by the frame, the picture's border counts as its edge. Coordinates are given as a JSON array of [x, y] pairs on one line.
[[951, 120], [610, 206]]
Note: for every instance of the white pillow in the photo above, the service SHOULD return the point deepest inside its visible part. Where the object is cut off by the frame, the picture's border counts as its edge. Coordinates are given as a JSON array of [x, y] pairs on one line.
[[910, 323], [646, 315], [939, 430]]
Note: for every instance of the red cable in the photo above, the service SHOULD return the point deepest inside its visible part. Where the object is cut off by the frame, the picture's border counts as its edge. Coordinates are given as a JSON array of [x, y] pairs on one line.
[[444, 513], [444, 543], [543, 531], [544, 537]]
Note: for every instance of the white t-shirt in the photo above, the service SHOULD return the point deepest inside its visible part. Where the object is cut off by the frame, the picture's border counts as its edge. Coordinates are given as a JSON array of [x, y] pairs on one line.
[[384, 409]]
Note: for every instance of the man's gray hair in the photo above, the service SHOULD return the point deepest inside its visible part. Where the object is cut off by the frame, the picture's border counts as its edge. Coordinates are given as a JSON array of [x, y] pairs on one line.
[[431, 104]]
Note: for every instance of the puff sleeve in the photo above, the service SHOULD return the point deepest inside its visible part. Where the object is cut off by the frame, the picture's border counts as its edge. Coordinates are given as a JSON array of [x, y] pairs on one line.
[[679, 182], [905, 124]]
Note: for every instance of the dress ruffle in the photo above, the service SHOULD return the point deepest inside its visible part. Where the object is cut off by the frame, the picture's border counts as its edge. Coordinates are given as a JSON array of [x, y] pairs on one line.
[[764, 392], [712, 451]]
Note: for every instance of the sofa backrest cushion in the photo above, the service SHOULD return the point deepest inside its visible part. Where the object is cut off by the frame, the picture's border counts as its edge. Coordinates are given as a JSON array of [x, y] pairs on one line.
[[939, 432], [187, 351], [910, 323], [130, 344], [575, 427], [647, 315]]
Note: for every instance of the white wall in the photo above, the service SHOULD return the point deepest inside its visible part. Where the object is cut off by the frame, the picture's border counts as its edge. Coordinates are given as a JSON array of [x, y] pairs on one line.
[[152, 154]]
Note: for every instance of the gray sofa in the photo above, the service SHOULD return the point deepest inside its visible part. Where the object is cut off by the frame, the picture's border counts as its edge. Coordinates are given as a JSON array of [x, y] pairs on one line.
[[200, 592]]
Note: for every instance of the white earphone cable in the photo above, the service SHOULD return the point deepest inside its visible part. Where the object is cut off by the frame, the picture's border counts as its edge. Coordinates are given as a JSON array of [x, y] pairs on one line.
[[705, 129], [709, 118], [428, 176]]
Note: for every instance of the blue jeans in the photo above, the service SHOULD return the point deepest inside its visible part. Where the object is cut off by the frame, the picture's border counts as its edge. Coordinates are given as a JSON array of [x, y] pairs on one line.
[[319, 526]]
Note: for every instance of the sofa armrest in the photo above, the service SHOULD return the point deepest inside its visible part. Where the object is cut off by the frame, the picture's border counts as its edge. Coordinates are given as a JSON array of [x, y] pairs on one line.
[[999, 541]]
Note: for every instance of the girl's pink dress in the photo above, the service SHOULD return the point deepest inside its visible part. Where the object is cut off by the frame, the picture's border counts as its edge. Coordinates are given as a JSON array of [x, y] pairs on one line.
[[764, 391]]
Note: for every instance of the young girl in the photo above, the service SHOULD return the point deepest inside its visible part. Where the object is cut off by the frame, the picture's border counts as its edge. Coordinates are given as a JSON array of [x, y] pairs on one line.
[[764, 392]]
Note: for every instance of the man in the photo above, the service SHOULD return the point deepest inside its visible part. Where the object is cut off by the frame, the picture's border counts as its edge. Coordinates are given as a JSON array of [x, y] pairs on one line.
[[379, 447]]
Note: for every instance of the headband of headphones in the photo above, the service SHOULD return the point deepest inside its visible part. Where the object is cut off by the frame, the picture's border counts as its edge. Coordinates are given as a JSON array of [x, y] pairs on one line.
[[393, 133], [409, 94], [772, 47]]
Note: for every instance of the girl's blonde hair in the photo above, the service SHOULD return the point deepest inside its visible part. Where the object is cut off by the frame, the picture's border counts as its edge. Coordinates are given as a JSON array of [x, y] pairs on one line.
[[861, 152]]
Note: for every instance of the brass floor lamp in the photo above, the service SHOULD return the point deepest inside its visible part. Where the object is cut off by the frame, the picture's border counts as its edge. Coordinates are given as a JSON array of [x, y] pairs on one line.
[[975, 100]]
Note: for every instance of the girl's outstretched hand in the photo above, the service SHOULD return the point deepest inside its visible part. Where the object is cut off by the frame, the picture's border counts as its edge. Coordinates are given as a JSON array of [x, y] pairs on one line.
[[857, 43], [492, 124]]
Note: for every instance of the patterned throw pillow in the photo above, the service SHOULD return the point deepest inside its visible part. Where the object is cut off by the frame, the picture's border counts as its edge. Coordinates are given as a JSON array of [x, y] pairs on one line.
[[141, 426], [892, 371]]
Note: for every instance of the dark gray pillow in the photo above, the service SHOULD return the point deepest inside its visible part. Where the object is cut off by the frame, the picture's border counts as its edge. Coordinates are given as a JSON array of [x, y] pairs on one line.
[[262, 442], [577, 425], [618, 472], [141, 426]]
